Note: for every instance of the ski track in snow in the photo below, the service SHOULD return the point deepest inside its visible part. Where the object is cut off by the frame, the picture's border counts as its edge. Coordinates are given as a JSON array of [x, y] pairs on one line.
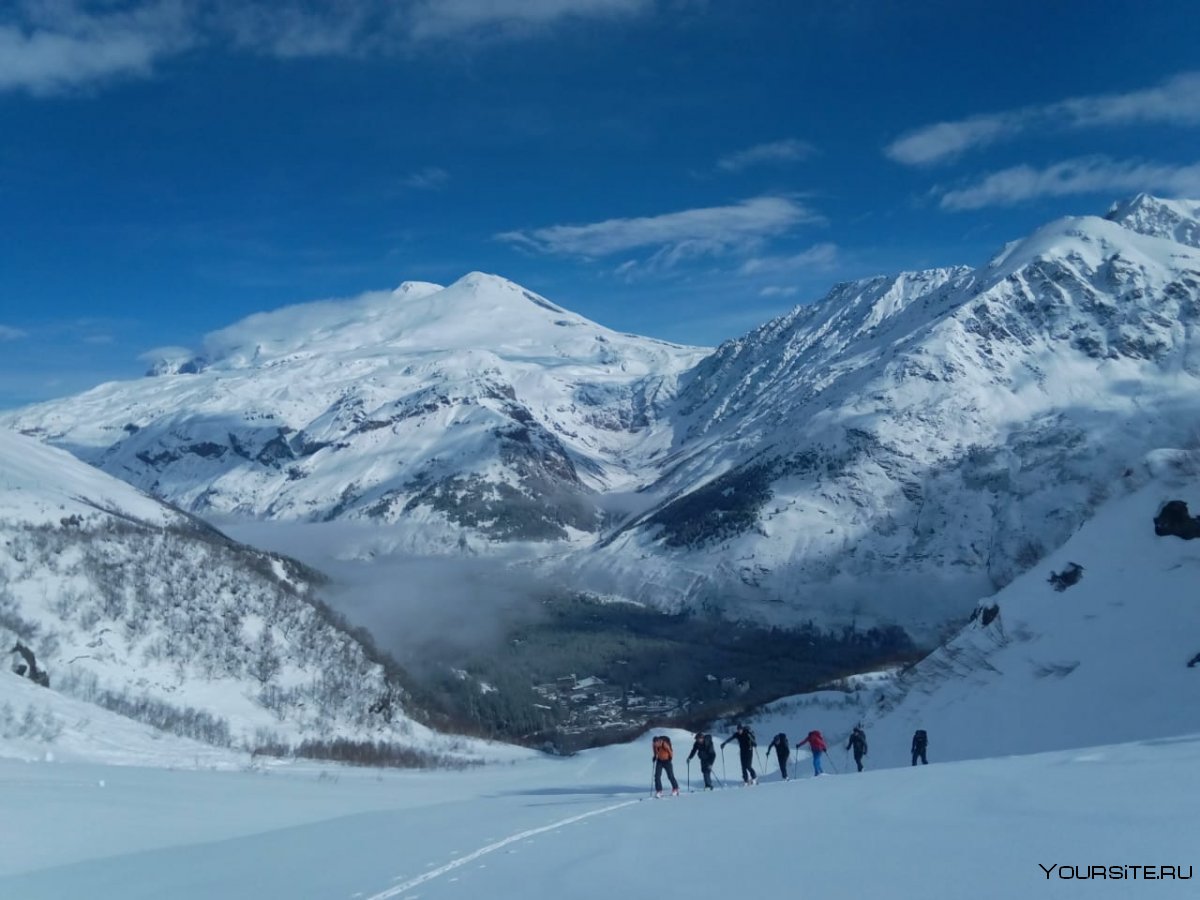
[[399, 889]]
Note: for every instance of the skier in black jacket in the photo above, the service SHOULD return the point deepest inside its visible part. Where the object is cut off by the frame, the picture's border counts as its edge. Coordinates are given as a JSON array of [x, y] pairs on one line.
[[703, 747], [746, 743], [919, 743], [779, 744], [858, 743]]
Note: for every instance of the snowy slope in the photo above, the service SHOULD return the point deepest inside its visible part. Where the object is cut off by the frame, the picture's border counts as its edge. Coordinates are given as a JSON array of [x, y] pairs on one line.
[[1102, 661], [40, 485], [575, 829], [480, 407], [142, 610]]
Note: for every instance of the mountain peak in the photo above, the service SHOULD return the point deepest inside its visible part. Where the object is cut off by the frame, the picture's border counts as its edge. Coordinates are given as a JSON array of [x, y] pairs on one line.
[[417, 289], [1176, 220], [500, 290]]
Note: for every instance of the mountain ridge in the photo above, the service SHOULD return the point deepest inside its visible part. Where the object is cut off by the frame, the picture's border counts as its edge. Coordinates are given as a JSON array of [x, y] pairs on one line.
[[925, 436]]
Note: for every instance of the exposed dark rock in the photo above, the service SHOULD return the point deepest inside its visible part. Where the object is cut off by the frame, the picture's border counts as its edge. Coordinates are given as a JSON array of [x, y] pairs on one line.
[[1067, 577], [30, 670], [1173, 519]]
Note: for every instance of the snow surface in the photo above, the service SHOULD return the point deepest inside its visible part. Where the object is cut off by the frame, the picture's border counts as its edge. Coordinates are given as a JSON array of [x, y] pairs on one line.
[[575, 828], [1074, 672], [41, 485]]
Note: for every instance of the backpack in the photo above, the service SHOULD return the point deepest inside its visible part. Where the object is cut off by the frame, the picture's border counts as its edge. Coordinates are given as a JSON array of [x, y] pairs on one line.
[[706, 747], [662, 748], [750, 733], [781, 742], [920, 737]]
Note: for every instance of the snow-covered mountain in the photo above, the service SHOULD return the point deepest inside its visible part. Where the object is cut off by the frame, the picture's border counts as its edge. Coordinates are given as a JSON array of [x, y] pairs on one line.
[[479, 409], [911, 443], [893, 452], [147, 612]]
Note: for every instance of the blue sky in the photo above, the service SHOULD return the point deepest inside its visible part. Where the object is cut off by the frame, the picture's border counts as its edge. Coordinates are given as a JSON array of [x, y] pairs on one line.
[[677, 168]]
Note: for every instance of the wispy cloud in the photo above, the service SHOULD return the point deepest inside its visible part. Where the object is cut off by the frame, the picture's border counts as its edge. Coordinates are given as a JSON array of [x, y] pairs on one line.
[[775, 152], [431, 178], [1174, 102], [1087, 175], [8, 333], [673, 237], [51, 46], [775, 290], [818, 256], [498, 18]]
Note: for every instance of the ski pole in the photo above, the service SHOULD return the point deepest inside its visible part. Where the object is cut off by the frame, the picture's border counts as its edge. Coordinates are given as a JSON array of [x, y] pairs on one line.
[[724, 773], [832, 763], [758, 756], [651, 778], [689, 762]]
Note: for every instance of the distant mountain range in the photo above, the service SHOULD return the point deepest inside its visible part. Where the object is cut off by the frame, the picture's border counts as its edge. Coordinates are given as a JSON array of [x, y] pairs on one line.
[[890, 453]]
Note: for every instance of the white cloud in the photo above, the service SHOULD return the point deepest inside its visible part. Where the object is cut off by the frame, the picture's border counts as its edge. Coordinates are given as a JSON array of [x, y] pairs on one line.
[[774, 290], [8, 333], [785, 151], [431, 178], [55, 46], [51, 46], [1174, 102], [497, 18], [169, 352], [295, 30], [1087, 175], [673, 236], [818, 256], [946, 140]]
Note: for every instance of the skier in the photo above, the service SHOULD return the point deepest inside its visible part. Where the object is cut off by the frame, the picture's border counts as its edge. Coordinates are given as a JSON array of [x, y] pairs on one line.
[[703, 747], [783, 750], [919, 743], [663, 754], [858, 743], [817, 744], [746, 743]]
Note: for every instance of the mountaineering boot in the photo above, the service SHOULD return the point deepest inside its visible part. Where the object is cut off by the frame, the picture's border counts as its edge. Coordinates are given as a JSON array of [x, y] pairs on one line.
[[674, 792], [658, 795]]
